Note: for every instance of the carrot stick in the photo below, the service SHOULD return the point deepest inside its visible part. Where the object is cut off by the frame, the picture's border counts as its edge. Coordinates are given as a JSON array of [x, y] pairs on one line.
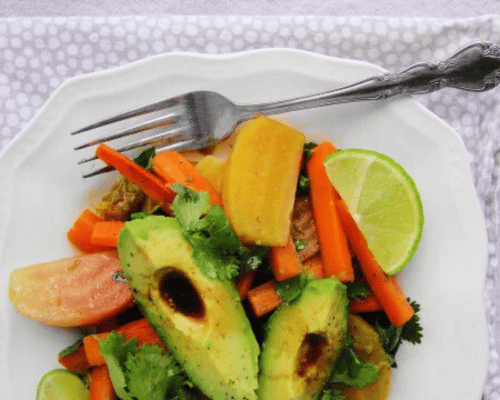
[[367, 304], [105, 233], [76, 361], [331, 236], [314, 266], [80, 233], [149, 183], [140, 329], [244, 283], [385, 287], [285, 262], [172, 167], [264, 299], [101, 387]]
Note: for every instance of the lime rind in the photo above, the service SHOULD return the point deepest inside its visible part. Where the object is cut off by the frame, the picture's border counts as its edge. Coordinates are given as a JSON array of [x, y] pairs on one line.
[[61, 384], [383, 200]]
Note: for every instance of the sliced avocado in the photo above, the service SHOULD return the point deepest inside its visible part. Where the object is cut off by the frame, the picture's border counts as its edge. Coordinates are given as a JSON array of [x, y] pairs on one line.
[[303, 341], [201, 320]]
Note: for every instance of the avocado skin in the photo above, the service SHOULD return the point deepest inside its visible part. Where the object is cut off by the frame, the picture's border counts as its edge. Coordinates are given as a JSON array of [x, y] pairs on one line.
[[216, 345], [319, 316]]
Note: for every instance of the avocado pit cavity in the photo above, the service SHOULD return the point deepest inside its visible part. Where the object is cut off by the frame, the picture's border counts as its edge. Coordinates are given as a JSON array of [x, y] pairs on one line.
[[310, 352], [179, 293]]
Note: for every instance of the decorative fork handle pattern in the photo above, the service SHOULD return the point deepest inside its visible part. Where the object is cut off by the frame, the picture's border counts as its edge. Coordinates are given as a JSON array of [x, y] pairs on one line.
[[475, 67]]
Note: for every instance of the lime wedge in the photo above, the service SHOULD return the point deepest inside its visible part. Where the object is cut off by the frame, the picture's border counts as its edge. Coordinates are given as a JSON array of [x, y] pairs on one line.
[[383, 200], [61, 384]]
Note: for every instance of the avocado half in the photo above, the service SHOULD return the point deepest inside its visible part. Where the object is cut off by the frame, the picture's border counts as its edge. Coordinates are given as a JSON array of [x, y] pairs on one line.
[[201, 320], [303, 341]]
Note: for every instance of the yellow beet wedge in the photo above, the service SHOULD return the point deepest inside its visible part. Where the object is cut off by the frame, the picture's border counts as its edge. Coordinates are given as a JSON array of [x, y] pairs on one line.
[[260, 181], [212, 169]]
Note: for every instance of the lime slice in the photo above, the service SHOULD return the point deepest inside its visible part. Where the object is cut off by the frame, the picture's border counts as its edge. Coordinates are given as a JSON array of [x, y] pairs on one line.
[[384, 202], [61, 384]]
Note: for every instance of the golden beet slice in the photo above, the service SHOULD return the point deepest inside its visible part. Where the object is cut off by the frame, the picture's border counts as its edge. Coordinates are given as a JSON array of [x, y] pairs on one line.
[[75, 291], [260, 180]]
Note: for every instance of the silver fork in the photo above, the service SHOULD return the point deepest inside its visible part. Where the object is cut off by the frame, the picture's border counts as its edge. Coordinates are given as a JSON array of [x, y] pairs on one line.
[[200, 119]]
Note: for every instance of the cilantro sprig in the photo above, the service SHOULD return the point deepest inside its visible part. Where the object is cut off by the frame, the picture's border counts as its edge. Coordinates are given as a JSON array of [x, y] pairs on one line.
[[145, 158], [349, 370], [356, 290], [353, 372], [332, 394], [392, 336], [290, 289], [142, 373], [217, 251]]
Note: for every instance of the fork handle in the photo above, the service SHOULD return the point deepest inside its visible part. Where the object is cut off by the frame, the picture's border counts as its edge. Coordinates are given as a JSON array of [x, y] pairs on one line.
[[475, 67]]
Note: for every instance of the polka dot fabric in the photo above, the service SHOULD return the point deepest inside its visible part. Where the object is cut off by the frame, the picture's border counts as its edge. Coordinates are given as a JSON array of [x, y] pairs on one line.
[[38, 54]]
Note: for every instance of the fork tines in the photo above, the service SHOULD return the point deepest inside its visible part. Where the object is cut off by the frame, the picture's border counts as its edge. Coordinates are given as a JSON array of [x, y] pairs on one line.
[[159, 124]]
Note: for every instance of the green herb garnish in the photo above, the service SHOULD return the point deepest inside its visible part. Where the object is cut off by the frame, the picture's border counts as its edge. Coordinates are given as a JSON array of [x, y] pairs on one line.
[[392, 336], [356, 290], [145, 158], [141, 373], [217, 251], [291, 289], [353, 372], [300, 244]]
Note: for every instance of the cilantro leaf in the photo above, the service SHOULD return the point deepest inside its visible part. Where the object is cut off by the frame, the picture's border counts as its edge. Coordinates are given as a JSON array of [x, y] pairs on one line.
[[142, 373], [412, 330], [291, 289], [300, 244], [216, 248], [115, 351], [144, 381], [303, 183], [393, 336], [353, 372], [309, 150], [252, 257], [332, 394], [216, 231], [180, 389], [145, 158], [213, 265], [189, 207], [71, 349], [356, 290]]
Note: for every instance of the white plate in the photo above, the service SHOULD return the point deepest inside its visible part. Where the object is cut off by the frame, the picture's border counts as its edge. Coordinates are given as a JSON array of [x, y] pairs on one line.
[[41, 193]]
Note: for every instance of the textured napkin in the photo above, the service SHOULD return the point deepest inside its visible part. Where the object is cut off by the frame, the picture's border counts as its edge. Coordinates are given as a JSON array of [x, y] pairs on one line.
[[38, 54]]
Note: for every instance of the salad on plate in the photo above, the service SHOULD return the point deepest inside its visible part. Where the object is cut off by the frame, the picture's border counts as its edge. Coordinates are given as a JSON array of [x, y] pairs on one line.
[[268, 274]]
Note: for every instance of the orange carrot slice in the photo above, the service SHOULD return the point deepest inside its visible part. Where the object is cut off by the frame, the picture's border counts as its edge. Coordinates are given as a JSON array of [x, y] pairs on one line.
[[367, 304], [172, 167], [80, 233], [149, 183], [245, 282], [140, 329], [314, 266], [100, 386], [285, 262], [264, 299], [105, 233], [331, 236], [385, 287], [75, 361]]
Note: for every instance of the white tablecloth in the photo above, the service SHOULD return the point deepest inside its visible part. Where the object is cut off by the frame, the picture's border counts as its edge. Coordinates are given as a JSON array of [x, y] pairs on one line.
[[396, 8], [38, 54]]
